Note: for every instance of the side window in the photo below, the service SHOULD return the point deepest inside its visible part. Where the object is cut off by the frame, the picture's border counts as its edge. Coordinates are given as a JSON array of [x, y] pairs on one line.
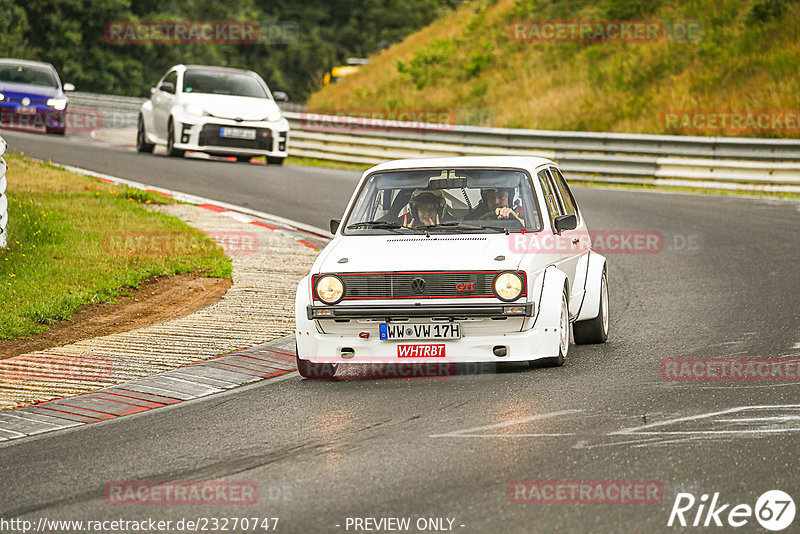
[[553, 208], [563, 188]]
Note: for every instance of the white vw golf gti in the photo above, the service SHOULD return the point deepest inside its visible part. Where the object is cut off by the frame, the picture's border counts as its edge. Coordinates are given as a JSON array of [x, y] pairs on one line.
[[219, 111], [464, 259]]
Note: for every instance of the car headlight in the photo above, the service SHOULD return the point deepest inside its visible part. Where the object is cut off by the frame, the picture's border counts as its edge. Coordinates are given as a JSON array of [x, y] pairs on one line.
[[508, 286], [330, 289], [2, 97], [274, 116], [57, 103], [194, 109]]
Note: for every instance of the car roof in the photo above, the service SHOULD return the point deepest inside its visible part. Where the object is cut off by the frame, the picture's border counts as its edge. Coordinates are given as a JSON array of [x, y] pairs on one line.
[[501, 162], [212, 67], [26, 62]]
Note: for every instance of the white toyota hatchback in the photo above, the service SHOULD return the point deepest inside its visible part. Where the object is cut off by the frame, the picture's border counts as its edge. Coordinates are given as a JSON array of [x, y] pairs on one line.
[[219, 111], [463, 259]]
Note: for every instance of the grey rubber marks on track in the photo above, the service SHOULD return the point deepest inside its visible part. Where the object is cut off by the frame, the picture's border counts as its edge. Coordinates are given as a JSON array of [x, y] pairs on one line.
[[184, 383]]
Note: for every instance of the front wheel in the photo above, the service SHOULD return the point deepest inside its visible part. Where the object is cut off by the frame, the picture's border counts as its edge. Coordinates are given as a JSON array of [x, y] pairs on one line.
[[594, 330], [563, 336], [243, 159], [171, 150], [141, 138], [314, 371], [274, 161]]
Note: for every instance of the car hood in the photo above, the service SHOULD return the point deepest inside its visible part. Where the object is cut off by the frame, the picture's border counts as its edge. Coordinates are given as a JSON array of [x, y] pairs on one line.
[[418, 253], [232, 107], [24, 89]]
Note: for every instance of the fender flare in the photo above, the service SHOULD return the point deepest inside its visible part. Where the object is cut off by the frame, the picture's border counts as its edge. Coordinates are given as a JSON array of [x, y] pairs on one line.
[[590, 307], [553, 281]]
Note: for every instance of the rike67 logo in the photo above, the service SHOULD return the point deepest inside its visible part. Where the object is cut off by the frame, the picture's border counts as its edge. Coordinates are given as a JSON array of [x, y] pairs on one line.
[[774, 510]]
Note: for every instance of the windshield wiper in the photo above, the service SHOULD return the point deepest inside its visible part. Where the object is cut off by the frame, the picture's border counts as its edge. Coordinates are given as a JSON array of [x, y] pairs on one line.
[[462, 226], [379, 225]]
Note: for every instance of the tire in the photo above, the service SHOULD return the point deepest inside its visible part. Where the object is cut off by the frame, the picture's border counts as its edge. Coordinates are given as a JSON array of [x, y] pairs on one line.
[[58, 121], [171, 150], [58, 131], [563, 348], [141, 139], [594, 330], [243, 159], [314, 371], [274, 161]]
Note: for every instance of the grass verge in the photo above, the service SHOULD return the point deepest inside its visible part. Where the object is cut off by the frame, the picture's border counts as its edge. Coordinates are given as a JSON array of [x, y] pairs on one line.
[[74, 240]]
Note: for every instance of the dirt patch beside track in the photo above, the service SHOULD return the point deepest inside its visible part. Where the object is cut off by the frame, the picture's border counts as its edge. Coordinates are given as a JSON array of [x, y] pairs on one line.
[[158, 299]]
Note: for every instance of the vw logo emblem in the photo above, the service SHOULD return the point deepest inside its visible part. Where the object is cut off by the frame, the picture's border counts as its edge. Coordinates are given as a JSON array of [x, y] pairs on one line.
[[26, 101], [418, 285]]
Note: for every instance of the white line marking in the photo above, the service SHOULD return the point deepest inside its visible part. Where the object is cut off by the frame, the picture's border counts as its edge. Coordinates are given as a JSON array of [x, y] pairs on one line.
[[796, 345], [641, 429], [470, 432]]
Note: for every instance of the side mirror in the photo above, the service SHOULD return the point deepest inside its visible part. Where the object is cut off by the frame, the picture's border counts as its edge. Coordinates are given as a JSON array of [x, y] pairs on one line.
[[280, 96], [69, 87], [167, 87], [565, 222], [335, 225]]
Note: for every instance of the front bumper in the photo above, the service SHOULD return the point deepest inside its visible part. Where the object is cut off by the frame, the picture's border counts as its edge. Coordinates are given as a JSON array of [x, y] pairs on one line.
[[202, 134], [531, 344], [45, 116]]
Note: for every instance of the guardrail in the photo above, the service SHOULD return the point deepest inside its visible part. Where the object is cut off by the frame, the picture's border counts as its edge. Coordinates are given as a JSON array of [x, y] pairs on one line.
[[3, 197], [715, 162], [710, 162]]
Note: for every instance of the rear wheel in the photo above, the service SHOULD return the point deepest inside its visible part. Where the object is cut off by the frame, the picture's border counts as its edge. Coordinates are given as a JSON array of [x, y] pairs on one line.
[[171, 150], [314, 371], [594, 330], [274, 161], [563, 335], [245, 159], [141, 139]]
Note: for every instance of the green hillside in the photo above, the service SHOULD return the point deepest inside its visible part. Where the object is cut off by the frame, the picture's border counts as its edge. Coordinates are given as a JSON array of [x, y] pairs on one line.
[[735, 73]]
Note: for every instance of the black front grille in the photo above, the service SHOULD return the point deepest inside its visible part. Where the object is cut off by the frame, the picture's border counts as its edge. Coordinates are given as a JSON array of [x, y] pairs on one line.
[[209, 136], [418, 285]]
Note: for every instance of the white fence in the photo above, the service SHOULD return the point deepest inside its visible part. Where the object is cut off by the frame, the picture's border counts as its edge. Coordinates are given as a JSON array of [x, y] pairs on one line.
[[3, 197]]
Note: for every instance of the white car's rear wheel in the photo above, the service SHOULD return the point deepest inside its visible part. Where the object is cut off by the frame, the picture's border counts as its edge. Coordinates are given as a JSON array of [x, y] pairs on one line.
[[595, 330]]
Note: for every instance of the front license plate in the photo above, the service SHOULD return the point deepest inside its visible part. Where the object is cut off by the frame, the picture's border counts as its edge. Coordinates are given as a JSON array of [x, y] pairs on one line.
[[420, 351], [237, 133], [393, 332], [26, 110]]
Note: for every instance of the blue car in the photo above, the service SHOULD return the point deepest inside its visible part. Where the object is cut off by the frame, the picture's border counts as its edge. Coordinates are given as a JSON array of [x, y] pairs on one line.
[[31, 95]]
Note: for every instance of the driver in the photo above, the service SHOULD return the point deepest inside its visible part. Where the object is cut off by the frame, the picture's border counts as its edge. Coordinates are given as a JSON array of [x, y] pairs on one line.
[[495, 205], [426, 207]]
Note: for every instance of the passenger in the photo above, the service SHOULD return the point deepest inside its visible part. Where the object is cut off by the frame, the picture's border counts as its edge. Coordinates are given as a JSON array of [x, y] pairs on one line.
[[494, 205], [426, 208]]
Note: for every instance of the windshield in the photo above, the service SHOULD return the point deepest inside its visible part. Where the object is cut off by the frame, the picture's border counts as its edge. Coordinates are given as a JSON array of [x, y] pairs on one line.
[[223, 83], [30, 75], [446, 200]]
